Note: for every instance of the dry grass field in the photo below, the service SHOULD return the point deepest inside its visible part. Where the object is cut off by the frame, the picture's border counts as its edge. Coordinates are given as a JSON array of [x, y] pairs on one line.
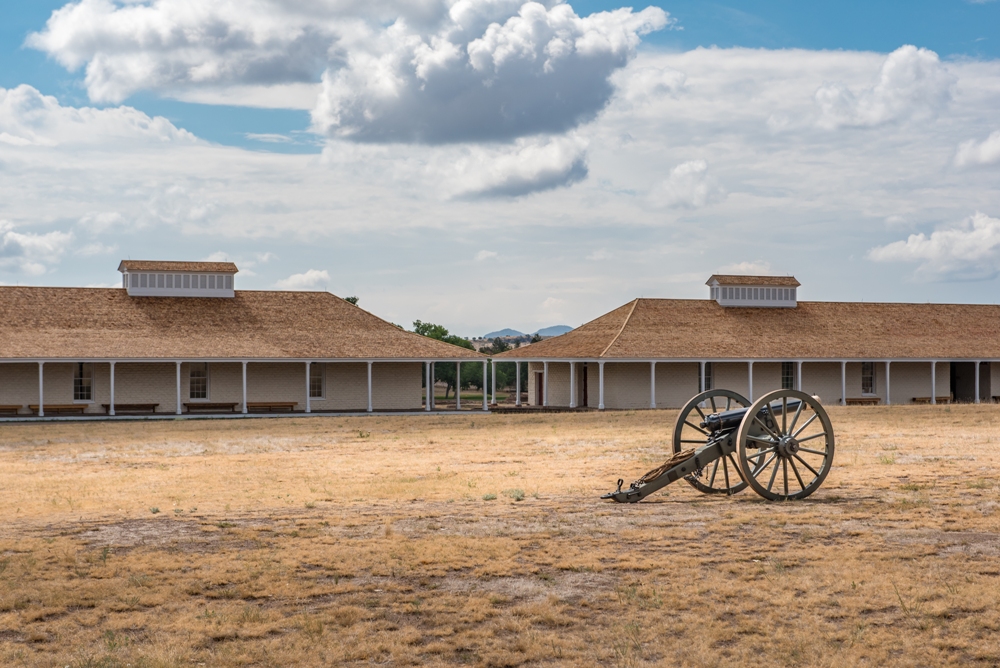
[[480, 540]]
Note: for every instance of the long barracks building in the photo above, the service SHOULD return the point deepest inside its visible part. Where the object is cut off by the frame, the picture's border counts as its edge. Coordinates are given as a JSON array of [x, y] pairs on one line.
[[753, 335], [177, 338]]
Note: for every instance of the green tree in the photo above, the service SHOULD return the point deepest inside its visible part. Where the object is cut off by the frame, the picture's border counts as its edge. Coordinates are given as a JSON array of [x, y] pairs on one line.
[[351, 300], [445, 371]]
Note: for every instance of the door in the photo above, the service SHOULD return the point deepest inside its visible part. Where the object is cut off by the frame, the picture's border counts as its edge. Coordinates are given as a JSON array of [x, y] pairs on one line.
[[584, 383], [539, 388]]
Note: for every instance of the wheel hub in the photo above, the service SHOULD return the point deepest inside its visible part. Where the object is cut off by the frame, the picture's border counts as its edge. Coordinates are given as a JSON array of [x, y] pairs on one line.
[[787, 446]]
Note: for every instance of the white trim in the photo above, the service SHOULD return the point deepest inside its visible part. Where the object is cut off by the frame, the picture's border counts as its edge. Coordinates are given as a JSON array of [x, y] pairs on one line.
[[308, 398], [180, 406], [369, 387], [600, 403], [977, 380], [572, 384], [517, 380], [486, 405], [545, 383], [41, 389], [934, 382], [458, 385], [111, 401], [244, 365], [843, 382], [493, 380], [888, 387], [652, 384]]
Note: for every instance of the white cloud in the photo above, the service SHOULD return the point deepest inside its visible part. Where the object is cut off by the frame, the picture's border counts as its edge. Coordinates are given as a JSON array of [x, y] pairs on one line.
[[754, 268], [28, 253], [973, 152], [309, 280], [599, 254], [968, 250], [529, 165], [688, 186], [96, 248], [28, 118], [485, 255], [269, 137], [542, 70], [217, 256], [912, 83]]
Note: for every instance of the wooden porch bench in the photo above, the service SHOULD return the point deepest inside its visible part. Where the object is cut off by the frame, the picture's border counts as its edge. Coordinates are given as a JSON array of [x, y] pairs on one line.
[[926, 400], [863, 401], [10, 409], [131, 408], [60, 409], [210, 407], [271, 406]]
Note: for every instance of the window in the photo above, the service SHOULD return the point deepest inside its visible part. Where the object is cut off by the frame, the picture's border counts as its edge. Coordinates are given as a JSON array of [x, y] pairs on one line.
[[211, 282], [199, 381], [229, 282], [868, 378], [709, 376], [135, 280], [788, 375], [83, 382], [315, 381]]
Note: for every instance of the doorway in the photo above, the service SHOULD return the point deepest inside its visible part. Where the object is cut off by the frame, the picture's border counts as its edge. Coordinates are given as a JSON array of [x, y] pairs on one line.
[[963, 381], [539, 388]]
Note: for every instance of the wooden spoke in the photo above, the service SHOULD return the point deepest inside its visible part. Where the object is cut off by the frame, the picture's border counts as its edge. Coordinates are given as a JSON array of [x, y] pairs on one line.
[[784, 470], [806, 464], [802, 428], [735, 466], [761, 453], [697, 408], [714, 409], [798, 412], [715, 469], [759, 439], [694, 427], [796, 471], [725, 471], [809, 438], [774, 473], [784, 415], [729, 402], [813, 452], [766, 428]]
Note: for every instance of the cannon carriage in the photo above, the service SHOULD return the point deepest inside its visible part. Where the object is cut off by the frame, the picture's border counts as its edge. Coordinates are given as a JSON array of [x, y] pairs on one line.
[[781, 446]]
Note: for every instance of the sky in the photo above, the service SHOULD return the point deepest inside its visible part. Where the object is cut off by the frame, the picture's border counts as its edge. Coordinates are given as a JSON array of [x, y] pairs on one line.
[[493, 163]]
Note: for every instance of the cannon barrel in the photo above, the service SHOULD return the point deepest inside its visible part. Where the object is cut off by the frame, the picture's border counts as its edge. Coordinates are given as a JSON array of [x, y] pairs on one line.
[[729, 420]]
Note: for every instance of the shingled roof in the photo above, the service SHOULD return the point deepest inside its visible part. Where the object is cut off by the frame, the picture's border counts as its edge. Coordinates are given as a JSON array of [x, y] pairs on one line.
[[702, 329], [103, 323], [732, 279]]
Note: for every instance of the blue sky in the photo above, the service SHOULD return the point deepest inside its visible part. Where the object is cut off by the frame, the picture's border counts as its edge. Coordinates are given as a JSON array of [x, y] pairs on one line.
[[431, 163]]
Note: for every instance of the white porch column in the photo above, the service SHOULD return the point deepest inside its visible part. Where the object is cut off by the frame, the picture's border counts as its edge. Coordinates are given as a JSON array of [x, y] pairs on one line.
[[179, 406], [545, 383], [701, 376], [458, 386], [369, 386], [750, 381], [652, 384], [843, 382], [798, 375], [517, 376], [934, 382], [493, 380], [111, 406], [888, 394], [244, 387], [977, 380], [429, 390], [600, 397], [572, 384], [433, 381], [308, 402], [41, 390], [486, 406]]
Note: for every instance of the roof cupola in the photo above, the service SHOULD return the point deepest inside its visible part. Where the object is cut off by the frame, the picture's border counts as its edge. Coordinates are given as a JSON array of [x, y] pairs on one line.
[[145, 278], [754, 291]]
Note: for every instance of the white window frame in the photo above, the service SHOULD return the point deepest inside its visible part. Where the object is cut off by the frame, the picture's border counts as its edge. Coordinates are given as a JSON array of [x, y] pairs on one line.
[[790, 376], [321, 368], [709, 376], [208, 381], [79, 367]]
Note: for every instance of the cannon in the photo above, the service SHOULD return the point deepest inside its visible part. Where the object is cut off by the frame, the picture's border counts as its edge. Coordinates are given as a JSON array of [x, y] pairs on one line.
[[780, 445]]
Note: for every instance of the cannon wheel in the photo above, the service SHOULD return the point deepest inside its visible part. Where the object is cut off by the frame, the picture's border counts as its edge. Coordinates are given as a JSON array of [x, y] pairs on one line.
[[788, 456], [687, 434]]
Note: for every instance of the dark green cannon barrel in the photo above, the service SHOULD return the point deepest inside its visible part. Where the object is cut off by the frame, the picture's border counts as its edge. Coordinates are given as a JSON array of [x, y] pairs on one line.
[[729, 420]]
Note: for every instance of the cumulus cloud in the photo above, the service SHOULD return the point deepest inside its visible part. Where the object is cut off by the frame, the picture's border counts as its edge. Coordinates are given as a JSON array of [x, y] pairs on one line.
[[912, 83], [968, 250], [754, 268], [689, 186], [30, 253], [309, 280], [543, 70], [28, 118], [974, 152], [529, 165]]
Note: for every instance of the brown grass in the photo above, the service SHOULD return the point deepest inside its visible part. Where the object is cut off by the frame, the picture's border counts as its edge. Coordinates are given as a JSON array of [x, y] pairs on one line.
[[400, 540]]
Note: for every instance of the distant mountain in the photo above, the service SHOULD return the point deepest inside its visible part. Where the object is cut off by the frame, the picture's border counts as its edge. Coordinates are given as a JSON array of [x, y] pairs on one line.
[[555, 330], [503, 332]]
